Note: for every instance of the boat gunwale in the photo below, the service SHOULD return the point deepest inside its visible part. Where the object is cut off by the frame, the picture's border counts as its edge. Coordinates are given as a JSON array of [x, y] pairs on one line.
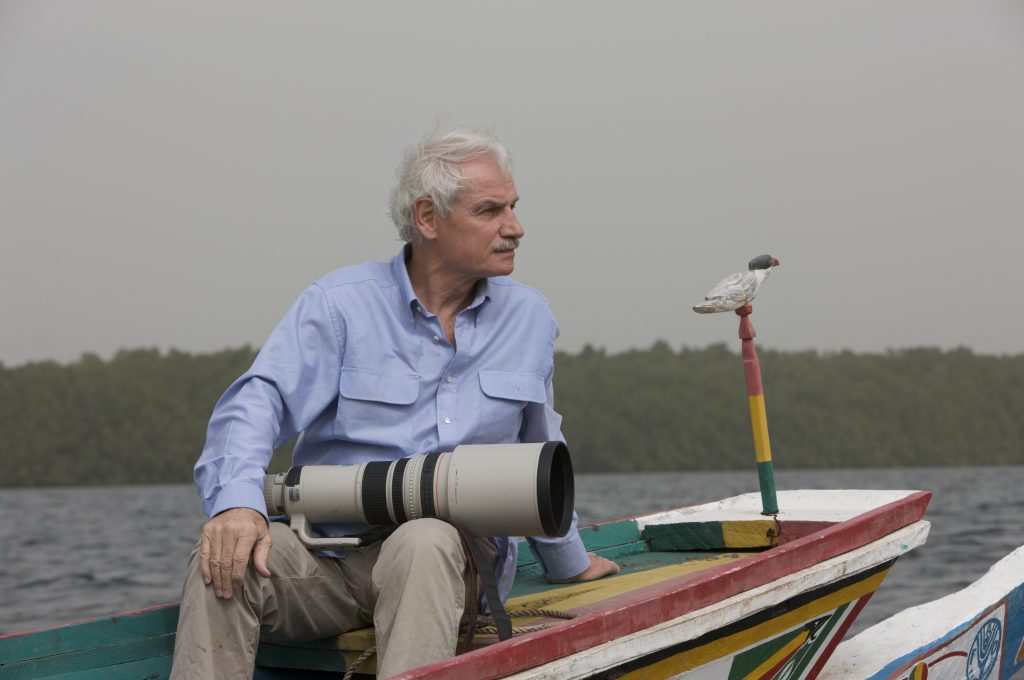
[[658, 603]]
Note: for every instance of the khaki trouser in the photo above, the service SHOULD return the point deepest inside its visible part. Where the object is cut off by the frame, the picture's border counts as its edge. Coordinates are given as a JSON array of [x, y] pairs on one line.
[[411, 587]]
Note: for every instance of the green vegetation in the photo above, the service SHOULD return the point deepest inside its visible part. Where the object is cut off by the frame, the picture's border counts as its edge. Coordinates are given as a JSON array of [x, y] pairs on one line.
[[141, 417]]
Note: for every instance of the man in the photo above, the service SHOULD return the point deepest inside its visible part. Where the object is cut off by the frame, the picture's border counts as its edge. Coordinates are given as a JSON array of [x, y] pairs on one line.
[[377, 362]]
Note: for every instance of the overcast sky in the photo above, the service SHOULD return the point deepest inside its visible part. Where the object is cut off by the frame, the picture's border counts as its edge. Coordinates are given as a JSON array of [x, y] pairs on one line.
[[173, 174]]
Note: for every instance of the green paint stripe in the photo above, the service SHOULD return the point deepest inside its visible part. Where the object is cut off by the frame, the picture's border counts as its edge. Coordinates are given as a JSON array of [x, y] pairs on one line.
[[685, 536], [94, 658], [745, 662], [766, 480], [114, 630]]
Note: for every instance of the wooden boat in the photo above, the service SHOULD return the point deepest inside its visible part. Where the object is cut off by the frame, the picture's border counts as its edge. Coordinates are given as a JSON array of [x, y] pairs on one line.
[[711, 591], [974, 634]]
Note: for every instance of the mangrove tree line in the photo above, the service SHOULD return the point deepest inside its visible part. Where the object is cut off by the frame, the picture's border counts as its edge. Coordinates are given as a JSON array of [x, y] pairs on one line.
[[141, 416]]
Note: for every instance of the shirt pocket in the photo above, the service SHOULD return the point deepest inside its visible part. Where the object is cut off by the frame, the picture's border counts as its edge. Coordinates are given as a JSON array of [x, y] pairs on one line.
[[376, 408], [506, 394]]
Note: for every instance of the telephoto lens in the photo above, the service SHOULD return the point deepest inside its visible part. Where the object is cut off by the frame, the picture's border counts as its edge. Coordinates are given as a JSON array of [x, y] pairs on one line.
[[488, 489]]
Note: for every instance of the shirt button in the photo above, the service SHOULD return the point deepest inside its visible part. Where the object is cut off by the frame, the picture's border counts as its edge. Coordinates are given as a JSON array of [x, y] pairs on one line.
[[449, 379], [447, 420], [437, 338]]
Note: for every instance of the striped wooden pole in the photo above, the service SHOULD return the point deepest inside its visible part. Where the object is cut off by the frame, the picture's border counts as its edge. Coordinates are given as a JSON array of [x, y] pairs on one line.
[[758, 415]]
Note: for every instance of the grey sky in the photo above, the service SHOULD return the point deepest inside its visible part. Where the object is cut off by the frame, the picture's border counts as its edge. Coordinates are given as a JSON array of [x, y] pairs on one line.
[[175, 173]]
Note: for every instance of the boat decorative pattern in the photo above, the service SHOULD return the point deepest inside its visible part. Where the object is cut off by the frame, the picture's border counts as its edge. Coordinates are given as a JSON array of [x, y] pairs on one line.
[[975, 634], [976, 653], [787, 642]]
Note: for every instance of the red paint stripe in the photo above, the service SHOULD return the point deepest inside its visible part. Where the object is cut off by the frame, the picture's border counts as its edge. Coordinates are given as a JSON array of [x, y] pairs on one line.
[[752, 372], [838, 636], [646, 607], [792, 529], [948, 656], [751, 366]]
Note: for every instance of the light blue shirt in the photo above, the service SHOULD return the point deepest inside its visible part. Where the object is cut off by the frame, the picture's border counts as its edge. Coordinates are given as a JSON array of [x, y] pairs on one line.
[[365, 373]]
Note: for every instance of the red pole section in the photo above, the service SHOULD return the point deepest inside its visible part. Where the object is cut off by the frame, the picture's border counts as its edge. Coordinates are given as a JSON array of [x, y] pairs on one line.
[[751, 366]]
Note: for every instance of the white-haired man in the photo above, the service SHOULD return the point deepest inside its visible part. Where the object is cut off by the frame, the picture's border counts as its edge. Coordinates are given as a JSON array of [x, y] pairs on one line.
[[379, 361]]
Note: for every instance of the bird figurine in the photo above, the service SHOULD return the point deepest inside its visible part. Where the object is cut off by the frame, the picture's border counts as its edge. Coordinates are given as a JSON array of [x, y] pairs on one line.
[[739, 289]]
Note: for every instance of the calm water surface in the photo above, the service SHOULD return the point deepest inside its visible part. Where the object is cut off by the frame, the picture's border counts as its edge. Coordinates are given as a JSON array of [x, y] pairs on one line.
[[75, 553]]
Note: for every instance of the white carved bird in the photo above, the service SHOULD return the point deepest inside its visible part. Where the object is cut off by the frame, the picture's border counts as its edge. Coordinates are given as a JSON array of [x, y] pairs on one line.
[[738, 289]]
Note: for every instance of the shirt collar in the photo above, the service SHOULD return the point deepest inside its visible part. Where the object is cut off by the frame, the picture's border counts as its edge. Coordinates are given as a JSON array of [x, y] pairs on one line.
[[401, 274], [412, 303]]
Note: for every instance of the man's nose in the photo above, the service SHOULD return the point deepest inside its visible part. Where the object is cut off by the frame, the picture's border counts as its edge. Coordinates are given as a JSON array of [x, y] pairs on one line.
[[510, 227]]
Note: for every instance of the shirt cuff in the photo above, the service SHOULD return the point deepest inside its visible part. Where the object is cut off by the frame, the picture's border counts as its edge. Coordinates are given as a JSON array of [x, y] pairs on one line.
[[565, 559], [239, 495]]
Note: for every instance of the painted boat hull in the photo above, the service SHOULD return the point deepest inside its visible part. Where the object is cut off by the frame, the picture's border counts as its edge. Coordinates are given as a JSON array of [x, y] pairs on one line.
[[714, 591], [783, 629], [974, 634]]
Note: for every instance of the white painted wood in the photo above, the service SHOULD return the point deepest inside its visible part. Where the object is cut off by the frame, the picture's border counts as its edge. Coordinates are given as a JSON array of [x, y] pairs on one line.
[[697, 623], [911, 629], [823, 505]]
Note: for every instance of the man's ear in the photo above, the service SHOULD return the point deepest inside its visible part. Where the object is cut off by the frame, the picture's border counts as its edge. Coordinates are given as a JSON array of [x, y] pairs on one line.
[[424, 215]]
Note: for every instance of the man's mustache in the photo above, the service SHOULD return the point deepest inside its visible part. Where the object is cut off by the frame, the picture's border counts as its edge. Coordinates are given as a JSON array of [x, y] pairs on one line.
[[505, 244]]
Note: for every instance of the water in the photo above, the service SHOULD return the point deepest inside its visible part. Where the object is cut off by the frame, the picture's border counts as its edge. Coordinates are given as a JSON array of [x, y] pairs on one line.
[[75, 553]]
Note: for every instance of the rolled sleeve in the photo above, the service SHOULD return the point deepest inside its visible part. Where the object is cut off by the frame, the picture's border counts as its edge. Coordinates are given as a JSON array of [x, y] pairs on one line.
[[561, 557], [239, 495]]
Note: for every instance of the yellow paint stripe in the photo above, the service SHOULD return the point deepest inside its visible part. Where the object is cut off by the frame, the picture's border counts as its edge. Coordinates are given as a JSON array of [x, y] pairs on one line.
[[759, 422], [758, 533], [776, 658], [731, 644], [579, 594]]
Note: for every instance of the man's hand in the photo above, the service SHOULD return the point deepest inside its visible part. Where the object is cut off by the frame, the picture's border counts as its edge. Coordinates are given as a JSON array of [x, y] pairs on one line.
[[227, 542], [599, 568]]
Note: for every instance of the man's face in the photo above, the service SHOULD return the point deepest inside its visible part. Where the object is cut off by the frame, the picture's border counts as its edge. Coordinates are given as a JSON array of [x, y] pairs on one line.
[[481, 234]]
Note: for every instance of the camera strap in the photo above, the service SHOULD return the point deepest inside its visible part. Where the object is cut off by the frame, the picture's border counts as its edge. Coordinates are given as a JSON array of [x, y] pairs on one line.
[[479, 564]]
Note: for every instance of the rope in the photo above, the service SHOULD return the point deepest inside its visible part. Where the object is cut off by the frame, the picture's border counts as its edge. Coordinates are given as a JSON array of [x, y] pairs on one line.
[[370, 651], [484, 627]]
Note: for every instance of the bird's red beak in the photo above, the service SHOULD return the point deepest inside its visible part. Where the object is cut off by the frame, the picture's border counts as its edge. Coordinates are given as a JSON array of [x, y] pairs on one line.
[[775, 262]]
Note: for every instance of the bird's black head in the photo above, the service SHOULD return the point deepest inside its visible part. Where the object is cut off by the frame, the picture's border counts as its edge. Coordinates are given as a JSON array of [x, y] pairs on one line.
[[763, 262]]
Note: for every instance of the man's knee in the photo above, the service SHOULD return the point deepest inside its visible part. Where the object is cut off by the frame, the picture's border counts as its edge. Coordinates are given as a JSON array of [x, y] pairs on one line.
[[424, 540]]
